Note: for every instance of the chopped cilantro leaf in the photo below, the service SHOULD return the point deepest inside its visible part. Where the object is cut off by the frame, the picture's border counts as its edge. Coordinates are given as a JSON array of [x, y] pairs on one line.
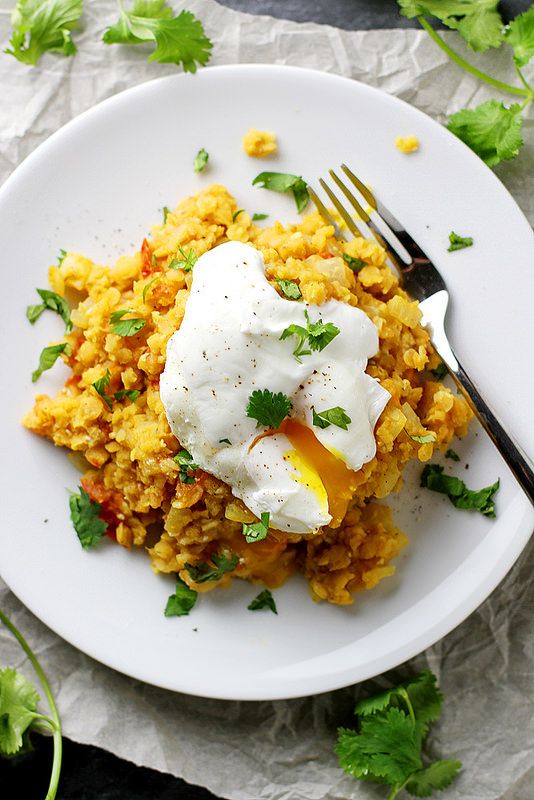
[[61, 257], [520, 36], [179, 40], [84, 514], [182, 601], [284, 182], [131, 394], [458, 242], [355, 264], [237, 213], [263, 600], [440, 371], [437, 776], [332, 416], [491, 129], [427, 438], [302, 336], [201, 160], [125, 327], [185, 462], [101, 385], [49, 356], [317, 334], [479, 22], [257, 531], [166, 212], [258, 217], [460, 496], [187, 262], [290, 289], [202, 572], [18, 704], [225, 441], [53, 302], [43, 25], [452, 454], [267, 408], [146, 287]]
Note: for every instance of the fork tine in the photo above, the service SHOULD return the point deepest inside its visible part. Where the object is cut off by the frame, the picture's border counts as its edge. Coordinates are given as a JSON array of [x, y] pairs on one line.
[[351, 225], [350, 197], [361, 187]]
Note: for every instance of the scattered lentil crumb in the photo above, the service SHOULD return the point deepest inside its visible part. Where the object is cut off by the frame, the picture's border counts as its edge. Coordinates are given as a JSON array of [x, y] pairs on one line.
[[259, 144], [407, 144]]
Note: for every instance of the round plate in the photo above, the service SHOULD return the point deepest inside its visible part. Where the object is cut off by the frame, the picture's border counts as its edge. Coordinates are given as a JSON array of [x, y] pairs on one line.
[[94, 187]]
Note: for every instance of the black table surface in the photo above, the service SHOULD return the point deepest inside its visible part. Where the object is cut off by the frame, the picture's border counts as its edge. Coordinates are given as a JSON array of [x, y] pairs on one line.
[[89, 773]]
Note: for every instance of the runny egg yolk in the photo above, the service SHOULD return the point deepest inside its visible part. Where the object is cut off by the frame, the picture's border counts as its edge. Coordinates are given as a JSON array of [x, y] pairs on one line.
[[320, 469]]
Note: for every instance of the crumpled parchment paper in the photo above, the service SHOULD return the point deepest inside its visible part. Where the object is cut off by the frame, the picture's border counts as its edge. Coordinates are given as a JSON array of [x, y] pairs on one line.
[[283, 750]]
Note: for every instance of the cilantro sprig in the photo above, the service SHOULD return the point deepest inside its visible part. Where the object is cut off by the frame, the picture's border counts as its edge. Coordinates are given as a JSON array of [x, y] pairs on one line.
[[387, 745], [268, 408], [460, 496], [492, 129], [256, 531], [182, 601], [331, 416], [203, 572], [284, 182], [316, 335], [186, 262], [179, 40], [53, 302], [18, 710], [184, 459], [85, 516], [263, 600], [41, 26]]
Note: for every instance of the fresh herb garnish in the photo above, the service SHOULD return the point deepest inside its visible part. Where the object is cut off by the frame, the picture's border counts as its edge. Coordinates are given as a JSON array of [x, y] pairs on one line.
[[84, 514], [185, 462], [257, 217], [146, 287], [256, 531], [125, 327], [53, 302], [182, 601], [283, 182], [479, 23], [332, 416], [130, 394], [61, 257], [43, 26], [458, 242], [290, 289], [427, 438], [460, 496], [49, 356], [201, 160], [492, 130], [166, 212], [267, 408], [317, 334], [101, 385], [178, 40], [452, 454], [355, 264], [520, 36], [440, 371], [202, 572], [225, 441], [387, 747], [263, 600], [187, 262], [18, 710], [237, 213]]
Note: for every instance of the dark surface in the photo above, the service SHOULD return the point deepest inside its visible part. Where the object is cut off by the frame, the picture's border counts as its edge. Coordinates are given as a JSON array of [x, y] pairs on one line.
[[89, 773]]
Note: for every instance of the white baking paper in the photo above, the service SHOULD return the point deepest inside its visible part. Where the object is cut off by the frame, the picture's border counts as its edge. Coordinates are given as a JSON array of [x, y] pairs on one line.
[[284, 750]]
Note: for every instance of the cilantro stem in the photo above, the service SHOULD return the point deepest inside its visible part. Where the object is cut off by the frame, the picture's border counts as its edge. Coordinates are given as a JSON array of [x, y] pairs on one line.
[[396, 789], [406, 697], [461, 62], [55, 721], [525, 83]]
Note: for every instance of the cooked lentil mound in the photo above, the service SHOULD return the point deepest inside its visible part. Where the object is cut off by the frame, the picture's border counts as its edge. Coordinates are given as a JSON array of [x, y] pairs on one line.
[[129, 448]]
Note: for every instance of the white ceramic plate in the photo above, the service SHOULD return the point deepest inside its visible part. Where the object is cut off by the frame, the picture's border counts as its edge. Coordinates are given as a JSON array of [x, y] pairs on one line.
[[94, 187]]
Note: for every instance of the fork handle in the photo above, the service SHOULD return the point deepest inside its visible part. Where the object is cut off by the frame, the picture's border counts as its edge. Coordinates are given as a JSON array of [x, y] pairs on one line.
[[509, 450]]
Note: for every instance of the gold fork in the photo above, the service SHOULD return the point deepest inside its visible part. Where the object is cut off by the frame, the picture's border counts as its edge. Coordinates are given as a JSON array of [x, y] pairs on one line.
[[423, 282]]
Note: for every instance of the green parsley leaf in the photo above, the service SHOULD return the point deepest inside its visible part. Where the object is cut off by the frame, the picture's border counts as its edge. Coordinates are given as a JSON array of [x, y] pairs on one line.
[[179, 40], [185, 462], [84, 514], [267, 408], [131, 394], [125, 327], [166, 212], [187, 262], [355, 264], [43, 25], [284, 182], [290, 289], [202, 572], [182, 601], [237, 213], [101, 385], [49, 356], [18, 704], [491, 129], [478, 21], [458, 242], [427, 438], [53, 302], [201, 160], [263, 600], [61, 257], [225, 441], [520, 35], [460, 496], [258, 217], [257, 531], [318, 335], [437, 776], [452, 454], [440, 371], [332, 416]]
